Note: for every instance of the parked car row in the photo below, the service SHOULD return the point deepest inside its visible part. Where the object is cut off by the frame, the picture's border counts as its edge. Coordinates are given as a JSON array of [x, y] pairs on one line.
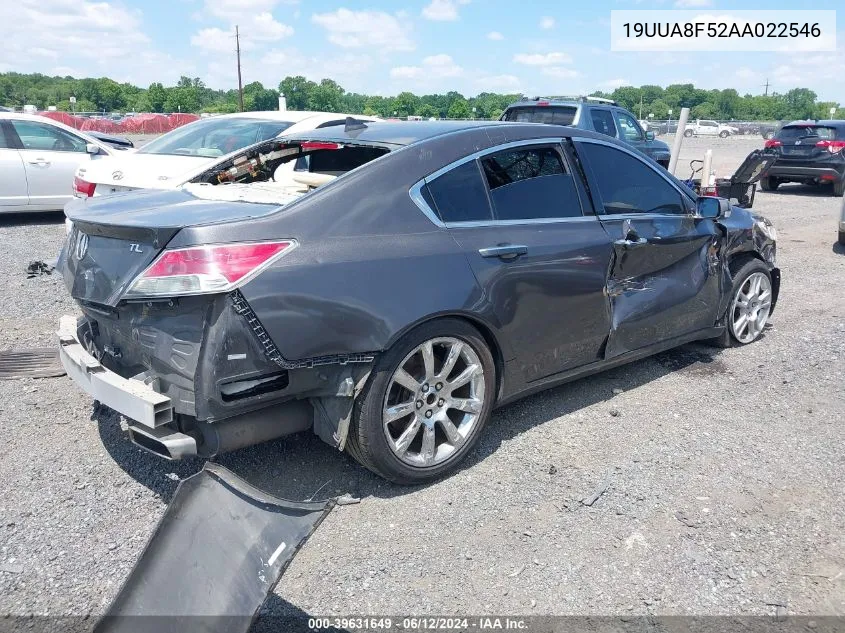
[[45, 163]]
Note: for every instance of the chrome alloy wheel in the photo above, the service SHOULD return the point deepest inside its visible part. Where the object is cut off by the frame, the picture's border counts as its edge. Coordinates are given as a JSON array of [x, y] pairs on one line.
[[751, 307], [434, 401]]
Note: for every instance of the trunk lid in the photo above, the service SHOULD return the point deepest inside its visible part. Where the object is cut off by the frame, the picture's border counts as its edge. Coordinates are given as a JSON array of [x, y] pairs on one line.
[[143, 171], [114, 239]]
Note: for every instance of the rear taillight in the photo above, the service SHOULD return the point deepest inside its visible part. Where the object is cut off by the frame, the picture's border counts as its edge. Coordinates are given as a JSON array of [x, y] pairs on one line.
[[773, 143], [834, 147], [83, 188], [206, 269]]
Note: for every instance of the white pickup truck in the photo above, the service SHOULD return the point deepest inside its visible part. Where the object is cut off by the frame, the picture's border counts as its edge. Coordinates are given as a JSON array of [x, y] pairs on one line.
[[704, 127]]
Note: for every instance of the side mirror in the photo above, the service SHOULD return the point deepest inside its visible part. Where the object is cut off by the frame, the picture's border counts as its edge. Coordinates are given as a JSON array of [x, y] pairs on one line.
[[712, 208], [92, 149], [649, 135]]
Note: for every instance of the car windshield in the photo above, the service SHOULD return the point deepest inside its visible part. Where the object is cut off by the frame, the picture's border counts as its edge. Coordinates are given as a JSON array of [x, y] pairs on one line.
[[805, 131], [215, 137], [560, 115]]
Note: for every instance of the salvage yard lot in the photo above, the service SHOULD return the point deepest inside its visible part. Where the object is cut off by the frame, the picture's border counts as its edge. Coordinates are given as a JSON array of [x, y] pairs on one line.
[[720, 471]]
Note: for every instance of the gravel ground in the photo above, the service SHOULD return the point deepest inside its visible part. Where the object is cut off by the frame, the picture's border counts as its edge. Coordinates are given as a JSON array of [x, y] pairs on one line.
[[723, 471]]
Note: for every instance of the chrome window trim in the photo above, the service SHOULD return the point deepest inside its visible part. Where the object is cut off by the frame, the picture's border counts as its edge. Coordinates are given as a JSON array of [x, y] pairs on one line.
[[655, 168], [415, 192]]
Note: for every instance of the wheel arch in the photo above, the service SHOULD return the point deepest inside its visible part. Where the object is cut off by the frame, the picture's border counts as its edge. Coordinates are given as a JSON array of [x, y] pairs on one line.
[[738, 259], [499, 348]]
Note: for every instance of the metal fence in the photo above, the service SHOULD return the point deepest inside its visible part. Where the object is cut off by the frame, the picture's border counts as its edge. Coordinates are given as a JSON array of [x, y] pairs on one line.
[[135, 123]]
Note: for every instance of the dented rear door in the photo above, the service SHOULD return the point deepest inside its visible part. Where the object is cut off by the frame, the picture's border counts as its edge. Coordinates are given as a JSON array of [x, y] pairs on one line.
[[664, 280]]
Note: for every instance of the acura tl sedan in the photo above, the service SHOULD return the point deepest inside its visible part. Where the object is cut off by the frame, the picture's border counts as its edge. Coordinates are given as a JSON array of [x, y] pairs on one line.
[[430, 272]]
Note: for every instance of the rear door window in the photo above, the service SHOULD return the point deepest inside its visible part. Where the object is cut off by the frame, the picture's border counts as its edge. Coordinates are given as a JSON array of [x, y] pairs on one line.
[[557, 115], [459, 195], [530, 184], [603, 122], [626, 184]]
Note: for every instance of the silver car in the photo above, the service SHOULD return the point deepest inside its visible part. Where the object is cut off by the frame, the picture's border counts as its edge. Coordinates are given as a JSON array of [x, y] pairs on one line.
[[38, 159]]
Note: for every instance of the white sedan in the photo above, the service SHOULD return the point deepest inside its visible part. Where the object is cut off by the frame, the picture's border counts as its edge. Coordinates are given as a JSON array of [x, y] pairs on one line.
[[38, 160], [174, 158]]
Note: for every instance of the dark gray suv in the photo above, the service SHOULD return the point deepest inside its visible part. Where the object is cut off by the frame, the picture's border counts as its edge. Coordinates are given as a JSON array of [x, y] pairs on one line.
[[589, 113]]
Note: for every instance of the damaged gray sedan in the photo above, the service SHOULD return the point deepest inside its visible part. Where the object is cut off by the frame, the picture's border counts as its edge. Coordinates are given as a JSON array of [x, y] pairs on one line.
[[407, 279]]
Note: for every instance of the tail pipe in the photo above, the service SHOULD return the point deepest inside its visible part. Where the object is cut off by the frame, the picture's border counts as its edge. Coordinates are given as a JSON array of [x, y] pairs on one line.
[[206, 439]]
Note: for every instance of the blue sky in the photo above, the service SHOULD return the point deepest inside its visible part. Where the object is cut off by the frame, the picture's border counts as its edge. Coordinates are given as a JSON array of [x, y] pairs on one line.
[[384, 47]]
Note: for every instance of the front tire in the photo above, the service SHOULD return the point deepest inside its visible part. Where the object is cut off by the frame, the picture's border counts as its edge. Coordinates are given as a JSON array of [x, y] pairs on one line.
[[687, 133], [842, 238], [750, 305], [425, 403], [724, 134], [769, 183]]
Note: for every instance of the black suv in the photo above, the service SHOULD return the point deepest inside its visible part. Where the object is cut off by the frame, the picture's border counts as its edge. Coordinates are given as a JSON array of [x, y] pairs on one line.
[[811, 152], [589, 113]]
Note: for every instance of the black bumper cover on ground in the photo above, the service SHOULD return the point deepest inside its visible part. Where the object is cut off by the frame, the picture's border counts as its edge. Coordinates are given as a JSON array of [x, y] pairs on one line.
[[219, 549]]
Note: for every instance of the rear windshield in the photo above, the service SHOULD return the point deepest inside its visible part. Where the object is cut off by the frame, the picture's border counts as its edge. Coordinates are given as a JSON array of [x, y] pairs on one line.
[[804, 131], [337, 162], [215, 137], [560, 115]]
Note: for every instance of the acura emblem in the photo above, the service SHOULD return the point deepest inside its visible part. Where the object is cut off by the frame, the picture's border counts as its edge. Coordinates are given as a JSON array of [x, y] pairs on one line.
[[81, 245], [117, 175]]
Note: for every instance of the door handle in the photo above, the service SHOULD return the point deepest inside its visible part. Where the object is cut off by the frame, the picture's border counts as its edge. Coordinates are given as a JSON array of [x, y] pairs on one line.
[[637, 243], [38, 161], [503, 251]]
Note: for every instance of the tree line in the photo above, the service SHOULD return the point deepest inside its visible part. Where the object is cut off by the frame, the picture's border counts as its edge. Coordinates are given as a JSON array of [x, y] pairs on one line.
[[192, 95]]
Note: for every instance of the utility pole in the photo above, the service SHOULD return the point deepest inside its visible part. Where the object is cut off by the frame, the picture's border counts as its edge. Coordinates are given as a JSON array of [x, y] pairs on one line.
[[641, 107], [240, 85], [766, 94]]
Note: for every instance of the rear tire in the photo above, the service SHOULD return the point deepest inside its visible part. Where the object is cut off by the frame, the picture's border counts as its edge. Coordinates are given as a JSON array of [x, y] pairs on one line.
[[417, 433], [687, 133], [769, 183], [839, 188], [750, 304], [724, 134], [842, 238]]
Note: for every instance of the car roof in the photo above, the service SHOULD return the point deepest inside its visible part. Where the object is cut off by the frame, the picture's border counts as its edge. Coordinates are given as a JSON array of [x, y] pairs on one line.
[[837, 123], [401, 133], [294, 116], [535, 103]]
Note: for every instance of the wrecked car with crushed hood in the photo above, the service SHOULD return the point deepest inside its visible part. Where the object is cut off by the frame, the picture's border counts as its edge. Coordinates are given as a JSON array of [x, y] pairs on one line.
[[419, 275]]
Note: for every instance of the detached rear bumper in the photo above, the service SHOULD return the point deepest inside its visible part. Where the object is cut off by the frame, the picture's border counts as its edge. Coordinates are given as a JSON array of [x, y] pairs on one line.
[[131, 397]]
